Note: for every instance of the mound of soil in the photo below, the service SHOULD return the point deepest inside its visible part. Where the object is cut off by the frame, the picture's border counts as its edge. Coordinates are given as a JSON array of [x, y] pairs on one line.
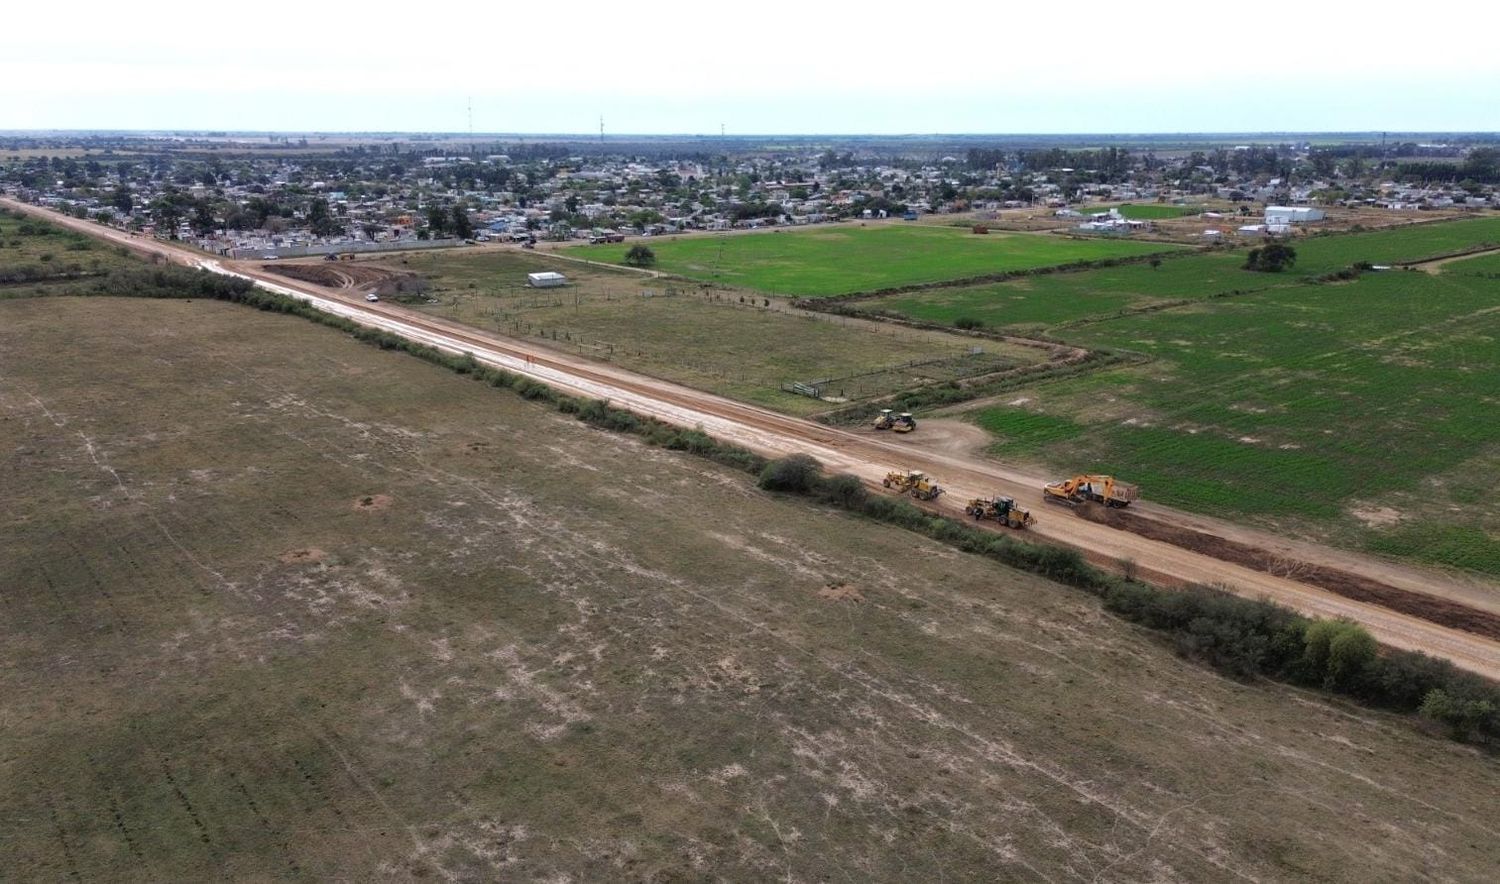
[[1443, 612], [841, 592], [373, 502]]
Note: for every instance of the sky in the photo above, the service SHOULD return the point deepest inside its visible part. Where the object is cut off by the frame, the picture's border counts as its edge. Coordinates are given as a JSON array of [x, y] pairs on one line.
[[753, 68]]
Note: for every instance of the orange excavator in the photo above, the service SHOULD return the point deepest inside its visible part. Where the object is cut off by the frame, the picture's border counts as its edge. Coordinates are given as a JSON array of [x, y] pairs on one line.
[[1099, 489]]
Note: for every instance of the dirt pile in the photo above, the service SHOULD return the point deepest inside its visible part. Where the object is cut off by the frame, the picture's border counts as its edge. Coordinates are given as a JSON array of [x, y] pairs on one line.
[[1352, 586]]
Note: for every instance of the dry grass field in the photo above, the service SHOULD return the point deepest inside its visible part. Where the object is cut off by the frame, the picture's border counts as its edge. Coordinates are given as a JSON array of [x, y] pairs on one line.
[[735, 343], [281, 605]]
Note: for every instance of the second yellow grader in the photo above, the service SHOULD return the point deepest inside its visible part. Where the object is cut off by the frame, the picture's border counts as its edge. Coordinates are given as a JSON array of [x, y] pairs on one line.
[[1001, 509], [912, 482]]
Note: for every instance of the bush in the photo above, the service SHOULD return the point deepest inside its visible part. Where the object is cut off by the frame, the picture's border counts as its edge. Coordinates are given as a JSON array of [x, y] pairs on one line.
[[844, 491], [1273, 257], [797, 474], [1336, 654], [1465, 716], [968, 323]]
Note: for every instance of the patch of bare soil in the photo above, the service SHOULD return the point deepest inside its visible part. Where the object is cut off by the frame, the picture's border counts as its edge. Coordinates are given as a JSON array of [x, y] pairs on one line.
[[1443, 612], [340, 275], [946, 436], [1376, 516], [308, 555], [373, 502], [841, 592]]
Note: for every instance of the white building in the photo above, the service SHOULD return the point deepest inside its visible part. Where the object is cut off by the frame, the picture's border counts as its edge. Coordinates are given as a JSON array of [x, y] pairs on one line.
[[546, 280], [1293, 214]]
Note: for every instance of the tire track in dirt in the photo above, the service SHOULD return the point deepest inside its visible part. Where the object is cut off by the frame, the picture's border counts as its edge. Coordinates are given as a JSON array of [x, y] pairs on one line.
[[116, 814], [70, 863]]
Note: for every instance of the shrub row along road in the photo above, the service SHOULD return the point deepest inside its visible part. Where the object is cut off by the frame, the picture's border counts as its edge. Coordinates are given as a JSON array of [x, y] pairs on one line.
[[870, 457]]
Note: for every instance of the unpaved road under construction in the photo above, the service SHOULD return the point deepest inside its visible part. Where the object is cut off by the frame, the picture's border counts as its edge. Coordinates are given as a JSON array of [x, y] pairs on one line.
[[1281, 570]]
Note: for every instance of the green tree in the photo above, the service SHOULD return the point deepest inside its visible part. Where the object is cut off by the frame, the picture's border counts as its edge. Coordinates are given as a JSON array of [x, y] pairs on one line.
[[203, 218], [166, 214], [640, 255], [437, 221], [1273, 257], [320, 220], [1483, 164], [122, 201], [460, 225]]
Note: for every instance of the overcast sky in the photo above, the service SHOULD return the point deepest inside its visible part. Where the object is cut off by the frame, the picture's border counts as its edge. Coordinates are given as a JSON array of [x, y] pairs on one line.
[[755, 67]]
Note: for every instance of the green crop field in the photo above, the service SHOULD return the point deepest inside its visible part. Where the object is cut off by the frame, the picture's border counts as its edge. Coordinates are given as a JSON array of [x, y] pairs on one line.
[[1322, 254], [835, 261], [1364, 409], [1357, 410], [1033, 302], [732, 344], [1147, 212], [1042, 301], [283, 606], [1486, 264]]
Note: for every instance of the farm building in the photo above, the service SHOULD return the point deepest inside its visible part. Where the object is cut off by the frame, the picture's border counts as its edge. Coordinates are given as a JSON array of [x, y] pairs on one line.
[[1293, 214], [546, 280]]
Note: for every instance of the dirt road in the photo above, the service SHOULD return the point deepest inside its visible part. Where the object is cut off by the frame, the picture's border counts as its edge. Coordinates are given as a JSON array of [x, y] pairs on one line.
[[869, 456], [1436, 265]]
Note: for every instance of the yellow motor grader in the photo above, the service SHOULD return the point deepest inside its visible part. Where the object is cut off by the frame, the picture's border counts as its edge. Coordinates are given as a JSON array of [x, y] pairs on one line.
[[1002, 509], [912, 482]]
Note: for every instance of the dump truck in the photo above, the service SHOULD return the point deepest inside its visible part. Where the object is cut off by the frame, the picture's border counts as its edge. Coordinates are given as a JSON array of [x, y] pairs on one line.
[[1002, 509], [1099, 489], [912, 482]]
